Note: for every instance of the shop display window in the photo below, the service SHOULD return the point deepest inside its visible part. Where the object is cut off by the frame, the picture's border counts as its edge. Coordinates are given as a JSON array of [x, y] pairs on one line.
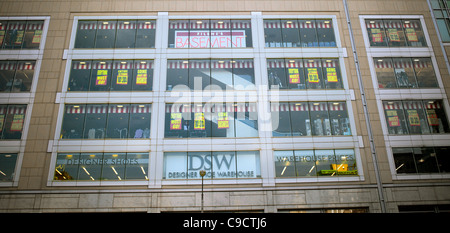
[[98, 121], [304, 74], [115, 34], [7, 166], [21, 34], [211, 120], [218, 165], [12, 118], [16, 76], [420, 160], [395, 33], [310, 119], [101, 166], [416, 117], [299, 33], [214, 33], [405, 73], [215, 74], [315, 163], [111, 75]]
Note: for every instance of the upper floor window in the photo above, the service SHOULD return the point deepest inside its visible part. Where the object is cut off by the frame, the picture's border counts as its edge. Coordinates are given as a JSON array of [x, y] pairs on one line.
[[116, 34], [217, 33], [441, 11], [21, 34], [7, 166], [11, 121], [111, 75], [395, 33], [16, 76], [404, 72], [299, 33]]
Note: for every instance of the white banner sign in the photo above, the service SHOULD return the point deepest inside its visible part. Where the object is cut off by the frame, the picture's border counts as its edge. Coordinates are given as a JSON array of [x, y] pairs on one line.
[[210, 39]]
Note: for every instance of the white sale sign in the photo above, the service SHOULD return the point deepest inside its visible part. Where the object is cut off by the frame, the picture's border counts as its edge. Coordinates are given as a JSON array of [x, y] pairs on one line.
[[210, 39]]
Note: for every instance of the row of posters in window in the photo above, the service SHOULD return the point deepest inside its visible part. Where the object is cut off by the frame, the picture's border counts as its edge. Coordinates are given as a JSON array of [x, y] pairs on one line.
[[21, 34], [11, 121]]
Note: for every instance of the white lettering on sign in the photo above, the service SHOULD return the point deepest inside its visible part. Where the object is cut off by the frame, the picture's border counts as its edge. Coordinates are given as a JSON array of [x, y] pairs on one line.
[[210, 39]]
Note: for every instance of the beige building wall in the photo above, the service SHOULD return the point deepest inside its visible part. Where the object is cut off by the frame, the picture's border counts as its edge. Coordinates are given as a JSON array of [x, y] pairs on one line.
[[32, 194]]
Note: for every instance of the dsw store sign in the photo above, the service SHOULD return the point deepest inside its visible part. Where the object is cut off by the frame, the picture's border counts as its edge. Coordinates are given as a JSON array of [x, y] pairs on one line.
[[218, 165]]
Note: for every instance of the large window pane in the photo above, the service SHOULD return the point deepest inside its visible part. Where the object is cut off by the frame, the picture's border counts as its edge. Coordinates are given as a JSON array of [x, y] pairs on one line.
[[177, 74], [220, 34], [295, 77], [340, 124], [7, 72], [122, 75], [241, 33], [395, 118], [136, 166], [300, 121], [416, 117], [126, 34], [248, 164], [284, 164], [33, 35], [324, 162], [277, 73], [313, 73], [86, 34], [200, 125], [73, 122], [15, 32], [106, 34], [443, 158], [376, 33], [13, 123], [145, 34], [117, 123], [24, 76], [246, 118], [90, 167], [3, 25], [66, 167], [177, 120], [175, 165], [385, 73], [345, 162], [140, 116], [281, 120], [394, 33], [243, 74], [325, 33], [113, 166], [178, 34], [101, 75], [79, 76], [94, 127], [436, 116], [444, 25], [320, 122], [222, 74], [305, 163], [224, 165], [143, 75], [404, 72], [222, 123], [332, 74], [308, 33], [290, 33], [272, 33], [414, 33], [7, 167], [425, 158], [404, 160], [426, 76], [199, 74]]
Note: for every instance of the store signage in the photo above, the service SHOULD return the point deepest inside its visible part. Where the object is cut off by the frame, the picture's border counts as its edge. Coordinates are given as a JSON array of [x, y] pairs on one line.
[[175, 121], [313, 76], [210, 39], [413, 118], [141, 78], [17, 122], [102, 76], [93, 161], [294, 76], [376, 35], [393, 119], [331, 75], [432, 117], [411, 35], [122, 77]]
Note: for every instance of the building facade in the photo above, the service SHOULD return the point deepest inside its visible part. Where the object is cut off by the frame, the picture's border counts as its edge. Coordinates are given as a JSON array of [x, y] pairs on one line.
[[288, 106]]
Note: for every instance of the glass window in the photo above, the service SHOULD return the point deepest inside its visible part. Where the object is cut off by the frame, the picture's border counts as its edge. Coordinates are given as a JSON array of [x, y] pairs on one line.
[[142, 75], [376, 32], [313, 73], [305, 163], [175, 165], [248, 164], [325, 33], [300, 121], [241, 33], [340, 124], [145, 34], [220, 34], [117, 123], [86, 34], [281, 120], [394, 33], [444, 29], [67, 166], [295, 77], [243, 74], [198, 161], [277, 73], [24, 76], [140, 116], [7, 71], [7, 167], [424, 72], [414, 33], [177, 120], [224, 166], [272, 33], [113, 166], [325, 159], [136, 166], [443, 158], [73, 122], [395, 118], [200, 125], [308, 33], [222, 74], [126, 34], [90, 166], [404, 72], [222, 123], [404, 160], [290, 33], [425, 158], [437, 119], [177, 74], [12, 121], [33, 34], [199, 74], [320, 122], [15, 32], [101, 75], [345, 162], [122, 75], [332, 74], [106, 34], [178, 34], [199, 34], [79, 76], [385, 75], [246, 119], [95, 121]]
